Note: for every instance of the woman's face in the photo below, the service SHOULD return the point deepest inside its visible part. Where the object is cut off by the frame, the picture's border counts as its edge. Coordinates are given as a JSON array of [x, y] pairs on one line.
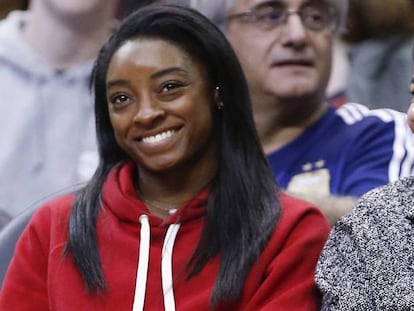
[[161, 106]]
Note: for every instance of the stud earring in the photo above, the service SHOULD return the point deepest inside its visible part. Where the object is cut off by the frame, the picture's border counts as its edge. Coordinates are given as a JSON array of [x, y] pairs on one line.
[[219, 104]]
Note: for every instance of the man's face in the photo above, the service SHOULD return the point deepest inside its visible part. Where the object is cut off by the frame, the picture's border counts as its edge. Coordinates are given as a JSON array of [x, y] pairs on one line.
[[75, 8], [288, 60]]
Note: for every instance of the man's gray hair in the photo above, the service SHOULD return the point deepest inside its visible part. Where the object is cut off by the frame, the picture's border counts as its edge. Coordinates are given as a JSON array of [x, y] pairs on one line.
[[217, 10]]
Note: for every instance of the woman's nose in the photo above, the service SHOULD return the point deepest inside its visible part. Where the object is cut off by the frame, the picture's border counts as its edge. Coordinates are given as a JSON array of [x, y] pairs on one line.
[[148, 111]]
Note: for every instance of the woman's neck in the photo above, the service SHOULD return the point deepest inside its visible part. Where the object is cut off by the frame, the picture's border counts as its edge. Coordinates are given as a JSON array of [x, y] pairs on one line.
[[162, 193]]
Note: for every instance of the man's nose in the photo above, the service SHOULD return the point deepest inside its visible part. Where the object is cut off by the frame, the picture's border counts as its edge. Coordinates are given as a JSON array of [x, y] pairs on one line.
[[293, 31]]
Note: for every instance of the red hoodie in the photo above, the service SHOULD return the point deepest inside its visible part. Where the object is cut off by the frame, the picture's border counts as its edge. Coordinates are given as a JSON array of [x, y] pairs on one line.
[[144, 258]]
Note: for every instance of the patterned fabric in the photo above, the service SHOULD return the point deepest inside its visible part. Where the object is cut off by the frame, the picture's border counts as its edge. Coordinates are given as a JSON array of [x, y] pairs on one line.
[[368, 260], [348, 151]]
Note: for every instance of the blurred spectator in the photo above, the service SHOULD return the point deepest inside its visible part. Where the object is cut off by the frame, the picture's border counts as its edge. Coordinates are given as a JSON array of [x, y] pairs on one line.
[[381, 35], [47, 132]]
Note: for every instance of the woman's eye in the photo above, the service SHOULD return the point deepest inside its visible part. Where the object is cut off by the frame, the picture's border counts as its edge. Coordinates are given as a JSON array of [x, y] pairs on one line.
[[119, 99], [169, 87]]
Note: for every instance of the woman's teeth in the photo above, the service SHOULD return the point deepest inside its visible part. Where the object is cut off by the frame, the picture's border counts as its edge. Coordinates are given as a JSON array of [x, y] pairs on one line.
[[157, 138]]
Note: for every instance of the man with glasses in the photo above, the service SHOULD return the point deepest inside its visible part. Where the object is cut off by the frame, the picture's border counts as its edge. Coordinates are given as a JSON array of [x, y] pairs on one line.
[[328, 156]]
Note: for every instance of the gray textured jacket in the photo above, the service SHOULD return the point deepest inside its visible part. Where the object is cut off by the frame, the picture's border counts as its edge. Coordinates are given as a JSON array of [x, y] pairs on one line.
[[368, 261]]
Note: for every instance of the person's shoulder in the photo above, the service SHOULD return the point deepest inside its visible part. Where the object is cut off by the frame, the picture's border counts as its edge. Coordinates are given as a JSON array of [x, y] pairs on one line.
[[13, 48], [357, 114], [294, 204], [383, 126], [54, 210], [380, 210], [385, 201], [398, 189], [47, 221], [12, 23], [299, 223], [295, 210]]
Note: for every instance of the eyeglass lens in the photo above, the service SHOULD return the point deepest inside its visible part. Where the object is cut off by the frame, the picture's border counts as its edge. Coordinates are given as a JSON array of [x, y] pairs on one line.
[[314, 16]]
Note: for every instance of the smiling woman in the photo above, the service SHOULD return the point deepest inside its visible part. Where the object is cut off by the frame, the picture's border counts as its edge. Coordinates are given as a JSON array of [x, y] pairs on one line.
[[183, 212], [161, 107]]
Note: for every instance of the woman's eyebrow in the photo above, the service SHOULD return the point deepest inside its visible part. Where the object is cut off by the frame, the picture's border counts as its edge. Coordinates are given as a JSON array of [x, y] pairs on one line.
[[118, 82], [158, 74], [167, 71]]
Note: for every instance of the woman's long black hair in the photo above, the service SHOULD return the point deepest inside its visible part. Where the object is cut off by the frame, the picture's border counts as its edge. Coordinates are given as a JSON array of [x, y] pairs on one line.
[[243, 205]]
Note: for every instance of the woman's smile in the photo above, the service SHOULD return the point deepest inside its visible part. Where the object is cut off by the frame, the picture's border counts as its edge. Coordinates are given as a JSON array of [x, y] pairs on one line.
[[158, 137]]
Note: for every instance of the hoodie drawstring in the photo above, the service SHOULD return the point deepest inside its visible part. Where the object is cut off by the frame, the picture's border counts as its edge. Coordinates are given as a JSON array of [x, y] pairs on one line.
[[142, 271], [166, 266]]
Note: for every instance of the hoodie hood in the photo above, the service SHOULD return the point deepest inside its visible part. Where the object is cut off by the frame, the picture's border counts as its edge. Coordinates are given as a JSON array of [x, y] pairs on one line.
[[120, 197]]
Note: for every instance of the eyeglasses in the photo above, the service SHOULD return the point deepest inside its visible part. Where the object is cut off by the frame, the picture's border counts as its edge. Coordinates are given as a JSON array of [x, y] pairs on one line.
[[273, 14]]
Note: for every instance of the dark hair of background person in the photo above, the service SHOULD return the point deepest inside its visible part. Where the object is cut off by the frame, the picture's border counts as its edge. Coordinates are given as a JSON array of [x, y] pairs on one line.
[[7, 6], [243, 205], [369, 19]]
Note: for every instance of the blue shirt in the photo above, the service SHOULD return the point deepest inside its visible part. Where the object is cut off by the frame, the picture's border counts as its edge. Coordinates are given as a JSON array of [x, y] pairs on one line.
[[348, 151]]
